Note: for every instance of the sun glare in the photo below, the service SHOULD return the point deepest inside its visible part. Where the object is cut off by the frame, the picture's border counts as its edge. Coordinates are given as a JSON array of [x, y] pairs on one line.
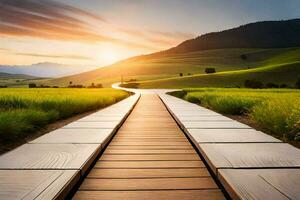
[[109, 57]]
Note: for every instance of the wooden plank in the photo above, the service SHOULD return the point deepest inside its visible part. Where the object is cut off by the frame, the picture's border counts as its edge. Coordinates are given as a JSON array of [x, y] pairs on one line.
[[85, 125], [261, 184], [101, 119], [149, 151], [230, 135], [250, 155], [213, 125], [148, 173], [149, 164], [149, 139], [151, 195], [150, 143], [151, 157], [148, 184], [152, 132], [205, 118], [36, 184], [75, 136], [160, 147], [49, 156]]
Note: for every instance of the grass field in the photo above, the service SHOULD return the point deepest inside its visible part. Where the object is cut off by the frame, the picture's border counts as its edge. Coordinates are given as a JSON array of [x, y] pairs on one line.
[[23, 111], [162, 71], [276, 110]]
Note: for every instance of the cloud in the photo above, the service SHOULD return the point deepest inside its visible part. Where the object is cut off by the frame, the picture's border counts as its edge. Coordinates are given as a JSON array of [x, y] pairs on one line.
[[52, 20], [74, 57]]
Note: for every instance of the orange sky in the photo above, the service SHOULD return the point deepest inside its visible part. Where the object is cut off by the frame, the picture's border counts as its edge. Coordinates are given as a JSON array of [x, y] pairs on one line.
[[100, 32]]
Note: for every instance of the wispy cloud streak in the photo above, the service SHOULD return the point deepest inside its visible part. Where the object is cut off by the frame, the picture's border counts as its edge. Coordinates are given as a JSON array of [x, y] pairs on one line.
[[52, 20]]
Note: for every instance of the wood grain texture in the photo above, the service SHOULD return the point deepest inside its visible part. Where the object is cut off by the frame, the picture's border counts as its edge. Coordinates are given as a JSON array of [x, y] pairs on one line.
[[214, 124], [148, 173], [149, 164], [261, 184], [148, 184], [36, 184], [169, 147], [148, 151], [85, 125], [79, 136], [49, 156], [251, 155], [151, 157], [151, 195], [230, 135], [166, 143]]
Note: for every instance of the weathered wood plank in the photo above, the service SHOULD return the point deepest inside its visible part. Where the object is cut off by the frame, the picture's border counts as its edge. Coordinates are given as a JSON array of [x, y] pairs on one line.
[[151, 157], [49, 156], [261, 184], [149, 164], [230, 135], [151, 195], [85, 125], [148, 173], [75, 136], [214, 125], [148, 184], [250, 155], [36, 184]]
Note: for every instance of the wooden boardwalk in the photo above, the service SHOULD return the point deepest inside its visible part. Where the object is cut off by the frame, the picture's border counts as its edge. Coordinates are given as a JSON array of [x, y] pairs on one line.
[[149, 158]]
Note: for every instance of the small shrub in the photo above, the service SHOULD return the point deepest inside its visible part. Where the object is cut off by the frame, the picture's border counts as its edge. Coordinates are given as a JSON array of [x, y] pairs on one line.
[[210, 70], [272, 85], [254, 84], [180, 74], [298, 83], [283, 85], [244, 57], [32, 85]]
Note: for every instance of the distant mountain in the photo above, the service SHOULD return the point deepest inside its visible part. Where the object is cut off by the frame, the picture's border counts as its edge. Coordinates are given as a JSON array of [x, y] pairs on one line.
[[267, 34], [15, 76], [45, 69]]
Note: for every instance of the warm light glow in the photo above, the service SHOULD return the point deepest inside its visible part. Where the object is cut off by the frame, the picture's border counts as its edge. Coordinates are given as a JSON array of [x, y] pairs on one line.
[[109, 57]]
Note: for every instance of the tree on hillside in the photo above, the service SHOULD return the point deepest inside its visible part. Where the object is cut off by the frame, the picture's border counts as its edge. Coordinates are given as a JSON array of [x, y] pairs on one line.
[[298, 83], [244, 57], [210, 70], [32, 85], [180, 74], [255, 84]]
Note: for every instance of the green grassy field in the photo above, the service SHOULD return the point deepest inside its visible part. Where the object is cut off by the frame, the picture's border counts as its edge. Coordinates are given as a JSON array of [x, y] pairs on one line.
[[276, 110], [23, 111], [162, 71]]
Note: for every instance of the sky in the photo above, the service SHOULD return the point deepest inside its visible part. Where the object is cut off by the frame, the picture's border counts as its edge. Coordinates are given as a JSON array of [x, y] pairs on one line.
[[101, 32]]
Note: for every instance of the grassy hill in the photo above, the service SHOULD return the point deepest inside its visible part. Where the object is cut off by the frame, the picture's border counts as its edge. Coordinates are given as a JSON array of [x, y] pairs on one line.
[[163, 71], [225, 51], [267, 34]]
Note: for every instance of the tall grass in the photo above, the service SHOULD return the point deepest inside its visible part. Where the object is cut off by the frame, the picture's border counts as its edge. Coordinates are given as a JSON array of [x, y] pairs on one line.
[[23, 111], [275, 109]]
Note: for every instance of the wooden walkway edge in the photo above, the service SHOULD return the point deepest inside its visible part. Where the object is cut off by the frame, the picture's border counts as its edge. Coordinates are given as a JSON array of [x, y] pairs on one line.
[[50, 166], [248, 163]]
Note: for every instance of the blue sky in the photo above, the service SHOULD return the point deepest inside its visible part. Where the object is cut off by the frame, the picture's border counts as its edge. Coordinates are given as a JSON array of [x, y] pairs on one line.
[[100, 32]]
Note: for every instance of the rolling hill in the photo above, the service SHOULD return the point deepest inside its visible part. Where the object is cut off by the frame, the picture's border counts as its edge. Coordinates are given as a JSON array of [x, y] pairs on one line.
[[271, 46], [15, 76]]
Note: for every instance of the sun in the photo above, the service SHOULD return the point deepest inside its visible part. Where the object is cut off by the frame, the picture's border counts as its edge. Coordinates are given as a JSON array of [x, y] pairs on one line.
[[109, 57]]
